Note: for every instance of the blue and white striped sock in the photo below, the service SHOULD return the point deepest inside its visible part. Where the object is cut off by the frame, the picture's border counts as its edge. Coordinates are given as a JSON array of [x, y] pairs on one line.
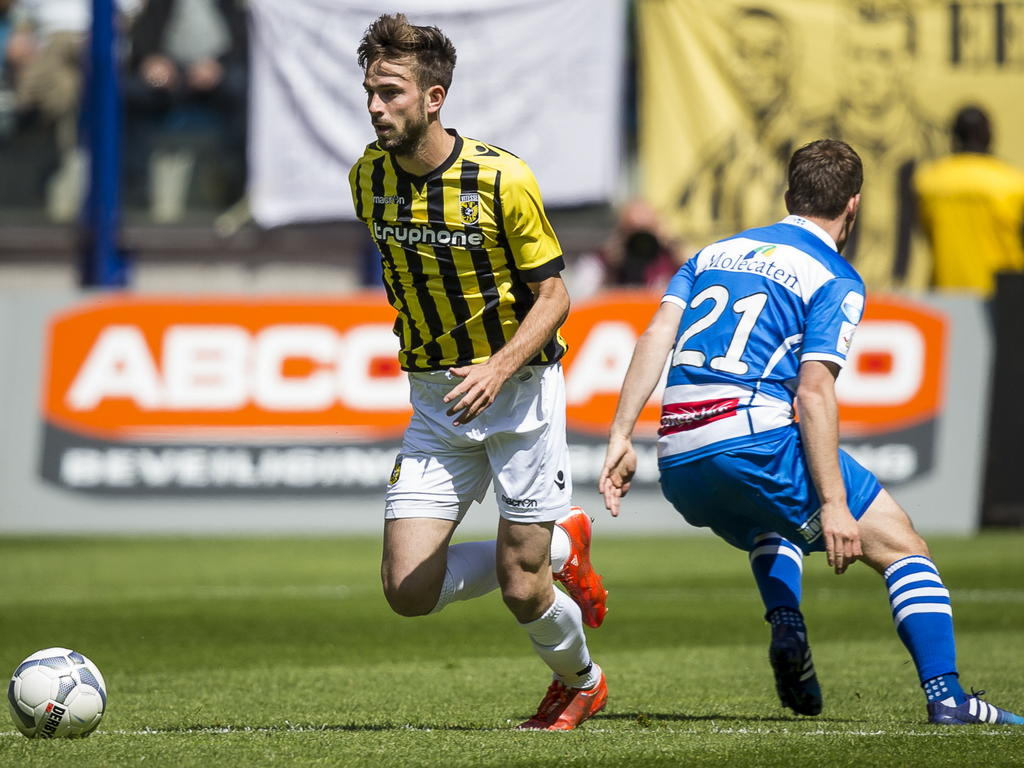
[[923, 616], [778, 567]]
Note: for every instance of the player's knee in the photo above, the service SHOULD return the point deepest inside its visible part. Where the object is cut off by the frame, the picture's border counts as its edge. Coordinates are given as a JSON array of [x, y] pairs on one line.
[[918, 545], [525, 600], [408, 599], [888, 535], [902, 543]]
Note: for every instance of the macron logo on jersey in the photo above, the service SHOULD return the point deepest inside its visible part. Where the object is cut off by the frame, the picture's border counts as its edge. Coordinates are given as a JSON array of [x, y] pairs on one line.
[[758, 262]]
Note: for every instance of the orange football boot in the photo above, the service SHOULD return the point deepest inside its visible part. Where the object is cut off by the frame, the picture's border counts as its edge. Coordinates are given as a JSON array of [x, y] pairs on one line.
[[563, 708]]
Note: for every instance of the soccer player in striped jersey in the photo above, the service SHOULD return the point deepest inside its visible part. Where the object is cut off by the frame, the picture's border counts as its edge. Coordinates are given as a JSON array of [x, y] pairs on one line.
[[472, 267], [752, 323]]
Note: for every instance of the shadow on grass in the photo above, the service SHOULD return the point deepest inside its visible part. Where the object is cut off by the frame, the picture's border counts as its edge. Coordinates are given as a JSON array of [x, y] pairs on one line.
[[314, 727], [679, 717]]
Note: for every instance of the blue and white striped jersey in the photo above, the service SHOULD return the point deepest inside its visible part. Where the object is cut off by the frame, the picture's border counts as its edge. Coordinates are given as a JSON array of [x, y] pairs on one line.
[[755, 306]]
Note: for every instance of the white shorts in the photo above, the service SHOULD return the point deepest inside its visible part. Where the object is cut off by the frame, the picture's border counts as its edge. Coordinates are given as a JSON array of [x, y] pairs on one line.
[[518, 443]]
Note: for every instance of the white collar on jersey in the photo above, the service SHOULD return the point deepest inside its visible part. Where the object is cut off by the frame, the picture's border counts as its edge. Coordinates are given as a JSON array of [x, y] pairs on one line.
[[810, 226]]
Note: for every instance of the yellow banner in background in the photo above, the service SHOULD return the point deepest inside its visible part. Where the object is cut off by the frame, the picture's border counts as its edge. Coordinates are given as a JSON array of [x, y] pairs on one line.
[[729, 89]]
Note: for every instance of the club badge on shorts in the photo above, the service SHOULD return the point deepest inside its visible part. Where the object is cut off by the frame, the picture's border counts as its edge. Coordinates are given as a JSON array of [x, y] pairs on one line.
[[396, 471], [469, 206]]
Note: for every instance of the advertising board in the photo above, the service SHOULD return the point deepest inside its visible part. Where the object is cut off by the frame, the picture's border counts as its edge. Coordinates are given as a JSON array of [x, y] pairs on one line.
[[242, 395]]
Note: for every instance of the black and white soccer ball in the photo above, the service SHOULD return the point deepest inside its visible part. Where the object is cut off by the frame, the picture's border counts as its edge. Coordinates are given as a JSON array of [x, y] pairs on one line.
[[57, 693]]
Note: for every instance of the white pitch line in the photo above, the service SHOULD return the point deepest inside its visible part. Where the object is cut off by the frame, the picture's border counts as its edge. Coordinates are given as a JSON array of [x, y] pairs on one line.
[[942, 733], [202, 593]]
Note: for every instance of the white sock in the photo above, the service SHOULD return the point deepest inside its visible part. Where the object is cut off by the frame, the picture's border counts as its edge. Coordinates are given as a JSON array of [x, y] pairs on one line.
[[558, 638], [472, 571], [560, 547]]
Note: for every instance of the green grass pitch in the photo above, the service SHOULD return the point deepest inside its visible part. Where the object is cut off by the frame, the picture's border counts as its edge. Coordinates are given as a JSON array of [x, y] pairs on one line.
[[248, 652]]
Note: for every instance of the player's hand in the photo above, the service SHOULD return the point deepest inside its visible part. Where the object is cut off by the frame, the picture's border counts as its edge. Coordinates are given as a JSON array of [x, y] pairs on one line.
[[476, 392], [617, 473], [841, 534]]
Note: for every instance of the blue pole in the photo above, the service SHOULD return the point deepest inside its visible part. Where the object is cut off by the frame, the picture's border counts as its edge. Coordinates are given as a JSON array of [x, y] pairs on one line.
[[104, 264]]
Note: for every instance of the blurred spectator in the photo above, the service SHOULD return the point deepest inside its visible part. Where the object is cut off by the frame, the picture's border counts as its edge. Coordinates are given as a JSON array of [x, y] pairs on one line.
[[46, 57], [637, 253], [185, 91], [45, 54], [972, 209], [45, 50]]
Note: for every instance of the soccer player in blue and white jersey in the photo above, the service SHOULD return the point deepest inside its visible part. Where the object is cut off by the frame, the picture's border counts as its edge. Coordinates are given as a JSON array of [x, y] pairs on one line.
[[757, 324]]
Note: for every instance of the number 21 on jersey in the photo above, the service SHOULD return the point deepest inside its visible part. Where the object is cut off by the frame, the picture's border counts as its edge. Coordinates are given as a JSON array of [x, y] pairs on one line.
[[748, 308]]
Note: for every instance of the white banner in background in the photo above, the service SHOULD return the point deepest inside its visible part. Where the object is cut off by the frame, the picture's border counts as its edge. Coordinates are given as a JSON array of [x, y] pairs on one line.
[[541, 78]]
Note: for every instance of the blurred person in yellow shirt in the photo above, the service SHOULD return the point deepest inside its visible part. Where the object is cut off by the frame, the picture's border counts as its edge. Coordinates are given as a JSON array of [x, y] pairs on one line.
[[971, 208]]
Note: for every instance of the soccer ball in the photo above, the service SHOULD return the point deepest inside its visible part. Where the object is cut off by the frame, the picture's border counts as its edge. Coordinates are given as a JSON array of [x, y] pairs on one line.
[[57, 692]]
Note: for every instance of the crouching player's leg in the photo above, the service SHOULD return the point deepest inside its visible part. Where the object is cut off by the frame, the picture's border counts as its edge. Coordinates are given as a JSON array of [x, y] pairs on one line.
[[554, 623], [923, 614], [777, 565]]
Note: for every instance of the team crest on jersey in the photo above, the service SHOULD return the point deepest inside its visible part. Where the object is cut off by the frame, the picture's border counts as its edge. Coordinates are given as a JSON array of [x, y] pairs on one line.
[[469, 207], [397, 471], [853, 306]]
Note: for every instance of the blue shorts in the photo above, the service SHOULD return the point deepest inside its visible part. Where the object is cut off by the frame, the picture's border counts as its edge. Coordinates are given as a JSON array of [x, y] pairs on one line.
[[760, 488]]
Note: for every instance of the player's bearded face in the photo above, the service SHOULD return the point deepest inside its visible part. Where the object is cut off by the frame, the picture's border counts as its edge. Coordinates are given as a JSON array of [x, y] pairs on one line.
[[408, 130], [397, 106]]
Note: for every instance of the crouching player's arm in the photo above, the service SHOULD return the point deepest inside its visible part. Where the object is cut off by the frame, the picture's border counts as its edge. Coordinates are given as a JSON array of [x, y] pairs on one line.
[[642, 376], [819, 432]]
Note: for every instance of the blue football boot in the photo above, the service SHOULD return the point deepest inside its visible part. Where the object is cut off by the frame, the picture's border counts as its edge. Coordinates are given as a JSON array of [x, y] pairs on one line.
[[973, 711], [795, 681]]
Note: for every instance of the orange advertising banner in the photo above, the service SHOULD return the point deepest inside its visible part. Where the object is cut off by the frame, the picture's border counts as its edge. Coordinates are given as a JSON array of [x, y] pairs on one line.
[[165, 394], [177, 369]]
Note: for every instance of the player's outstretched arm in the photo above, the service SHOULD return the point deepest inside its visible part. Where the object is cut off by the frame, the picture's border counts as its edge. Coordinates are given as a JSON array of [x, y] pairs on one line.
[[480, 383], [819, 432], [652, 348]]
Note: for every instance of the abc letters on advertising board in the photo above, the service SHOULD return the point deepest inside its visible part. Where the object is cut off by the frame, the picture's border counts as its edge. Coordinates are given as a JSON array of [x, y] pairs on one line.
[[243, 396]]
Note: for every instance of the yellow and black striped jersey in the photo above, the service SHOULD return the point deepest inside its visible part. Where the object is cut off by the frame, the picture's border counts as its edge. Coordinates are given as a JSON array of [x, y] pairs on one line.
[[459, 246]]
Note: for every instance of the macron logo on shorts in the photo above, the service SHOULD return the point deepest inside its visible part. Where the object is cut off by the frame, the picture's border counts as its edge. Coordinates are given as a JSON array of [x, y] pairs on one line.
[[520, 503]]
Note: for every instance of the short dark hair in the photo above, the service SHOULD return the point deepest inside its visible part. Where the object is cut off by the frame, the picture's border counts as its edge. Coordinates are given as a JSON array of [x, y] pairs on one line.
[[823, 176], [393, 38], [971, 130]]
